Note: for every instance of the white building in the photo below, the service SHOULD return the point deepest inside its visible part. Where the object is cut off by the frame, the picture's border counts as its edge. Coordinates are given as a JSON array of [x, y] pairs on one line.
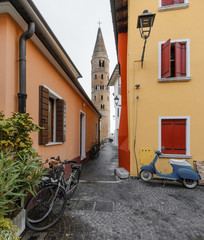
[[115, 81]]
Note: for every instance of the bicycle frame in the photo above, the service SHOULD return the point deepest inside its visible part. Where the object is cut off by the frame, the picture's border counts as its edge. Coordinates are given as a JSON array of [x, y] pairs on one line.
[[61, 181]]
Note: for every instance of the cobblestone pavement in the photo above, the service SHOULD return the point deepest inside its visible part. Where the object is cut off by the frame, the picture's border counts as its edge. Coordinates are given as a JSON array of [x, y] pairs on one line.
[[131, 210]]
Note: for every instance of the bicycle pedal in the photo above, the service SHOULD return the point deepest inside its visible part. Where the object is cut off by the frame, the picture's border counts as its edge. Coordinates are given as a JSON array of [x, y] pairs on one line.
[[67, 203]]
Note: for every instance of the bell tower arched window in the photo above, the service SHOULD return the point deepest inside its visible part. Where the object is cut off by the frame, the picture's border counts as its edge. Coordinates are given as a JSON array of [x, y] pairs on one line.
[[101, 63]]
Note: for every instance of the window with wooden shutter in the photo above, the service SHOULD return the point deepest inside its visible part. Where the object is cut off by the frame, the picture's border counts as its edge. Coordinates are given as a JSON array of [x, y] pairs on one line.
[[180, 59], [175, 60], [52, 117], [166, 59], [173, 136], [60, 120], [43, 114]]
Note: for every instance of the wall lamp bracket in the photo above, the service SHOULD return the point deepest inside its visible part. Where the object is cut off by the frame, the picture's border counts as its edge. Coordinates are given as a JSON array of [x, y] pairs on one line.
[[145, 23]]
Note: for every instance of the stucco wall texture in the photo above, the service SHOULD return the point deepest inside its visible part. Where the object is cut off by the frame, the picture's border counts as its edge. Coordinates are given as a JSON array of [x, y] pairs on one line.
[[40, 71]]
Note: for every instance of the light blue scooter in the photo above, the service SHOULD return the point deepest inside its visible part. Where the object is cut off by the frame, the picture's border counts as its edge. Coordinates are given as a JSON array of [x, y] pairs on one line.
[[182, 171]]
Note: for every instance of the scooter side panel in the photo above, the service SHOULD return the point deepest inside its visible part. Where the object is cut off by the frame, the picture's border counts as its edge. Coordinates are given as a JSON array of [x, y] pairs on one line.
[[188, 173], [147, 168]]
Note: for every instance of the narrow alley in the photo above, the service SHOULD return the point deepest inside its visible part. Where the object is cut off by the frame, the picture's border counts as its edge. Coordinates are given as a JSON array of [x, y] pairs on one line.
[[104, 207]]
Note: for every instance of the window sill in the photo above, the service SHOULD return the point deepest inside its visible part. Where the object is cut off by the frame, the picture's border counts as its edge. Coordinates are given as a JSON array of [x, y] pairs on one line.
[[175, 79], [175, 156], [173, 7], [53, 143]]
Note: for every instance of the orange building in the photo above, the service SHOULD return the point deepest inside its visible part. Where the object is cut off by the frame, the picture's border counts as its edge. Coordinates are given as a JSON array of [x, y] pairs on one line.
[[37, 76]]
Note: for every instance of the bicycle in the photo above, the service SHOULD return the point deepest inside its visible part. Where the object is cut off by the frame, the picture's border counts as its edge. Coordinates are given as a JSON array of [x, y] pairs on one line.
[[95, 150], [46, 207]]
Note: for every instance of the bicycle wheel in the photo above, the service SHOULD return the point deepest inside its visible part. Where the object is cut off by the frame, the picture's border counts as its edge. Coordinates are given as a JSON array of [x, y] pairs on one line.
[[75, 175], [45, 208]]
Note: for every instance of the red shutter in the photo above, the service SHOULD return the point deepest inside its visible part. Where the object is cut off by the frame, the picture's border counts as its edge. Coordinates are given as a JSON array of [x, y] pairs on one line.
[[43, 114], [180, 59], [173, 136], [166, 59], [180, 136], [60, 120], [167, 138], [167, 2]]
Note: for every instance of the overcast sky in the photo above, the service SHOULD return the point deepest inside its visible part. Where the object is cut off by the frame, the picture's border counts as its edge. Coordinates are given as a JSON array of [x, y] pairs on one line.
[[75, 24]]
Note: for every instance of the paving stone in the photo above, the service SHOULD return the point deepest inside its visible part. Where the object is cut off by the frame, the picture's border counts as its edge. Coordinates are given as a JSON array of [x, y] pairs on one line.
[[129, 209], [104, 206], [85, 205]]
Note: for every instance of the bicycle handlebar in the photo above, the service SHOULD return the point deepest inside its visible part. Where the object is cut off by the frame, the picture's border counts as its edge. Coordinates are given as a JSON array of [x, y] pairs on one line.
[[59, 160]]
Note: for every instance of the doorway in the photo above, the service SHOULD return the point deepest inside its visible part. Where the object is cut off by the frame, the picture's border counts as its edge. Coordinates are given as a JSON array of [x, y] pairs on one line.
[[82, 135]]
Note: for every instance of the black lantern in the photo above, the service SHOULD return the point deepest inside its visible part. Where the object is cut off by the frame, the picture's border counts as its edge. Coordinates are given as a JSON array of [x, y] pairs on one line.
[[145, 23], [116, 99]]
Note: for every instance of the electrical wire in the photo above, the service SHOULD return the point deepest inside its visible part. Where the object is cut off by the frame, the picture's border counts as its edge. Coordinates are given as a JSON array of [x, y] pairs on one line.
[[136, 115]]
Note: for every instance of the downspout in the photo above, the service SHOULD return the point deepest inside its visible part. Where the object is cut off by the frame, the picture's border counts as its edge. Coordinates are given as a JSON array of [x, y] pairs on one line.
[[22, 67]]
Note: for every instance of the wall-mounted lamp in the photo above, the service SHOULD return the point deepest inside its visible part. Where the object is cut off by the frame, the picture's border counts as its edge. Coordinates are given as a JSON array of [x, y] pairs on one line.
[[137, 87], [116, 100], [145, 23]]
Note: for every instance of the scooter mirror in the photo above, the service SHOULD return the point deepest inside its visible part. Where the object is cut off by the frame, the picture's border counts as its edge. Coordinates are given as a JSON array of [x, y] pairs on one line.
[[158, 152]]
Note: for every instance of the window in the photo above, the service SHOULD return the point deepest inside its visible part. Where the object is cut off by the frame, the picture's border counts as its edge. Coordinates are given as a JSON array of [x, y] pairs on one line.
[[94, 98], [102, 106], [101, 63], [51, 107], [95, 87], [95, 76], [119, 90], [174, 60], [118, 112], [101, 97], [101, 76], [174, 135], [172, 4], [52, 115], [107, 98], [101, 87]]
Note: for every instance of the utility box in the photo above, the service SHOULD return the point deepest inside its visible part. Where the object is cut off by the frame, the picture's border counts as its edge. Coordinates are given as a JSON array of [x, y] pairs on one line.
[[200, 168], [122, 173], [146, 155]]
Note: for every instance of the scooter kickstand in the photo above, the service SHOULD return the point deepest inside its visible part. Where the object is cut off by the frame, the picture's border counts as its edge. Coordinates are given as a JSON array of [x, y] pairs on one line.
[[164, 183]]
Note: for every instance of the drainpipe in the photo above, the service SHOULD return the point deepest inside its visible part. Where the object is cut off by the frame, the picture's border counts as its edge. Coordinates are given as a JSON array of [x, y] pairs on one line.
[[22, 67]]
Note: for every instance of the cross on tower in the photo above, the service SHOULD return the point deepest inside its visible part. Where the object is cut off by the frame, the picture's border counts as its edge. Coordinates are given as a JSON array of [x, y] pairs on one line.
[[99, 23]]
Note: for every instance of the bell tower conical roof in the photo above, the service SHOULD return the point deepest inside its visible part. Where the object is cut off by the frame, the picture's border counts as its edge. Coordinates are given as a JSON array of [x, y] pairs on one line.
[[99, 49]]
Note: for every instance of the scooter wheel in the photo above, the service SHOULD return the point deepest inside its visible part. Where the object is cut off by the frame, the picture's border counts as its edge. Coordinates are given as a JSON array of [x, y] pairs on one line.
[[189, 183], [146, 176]]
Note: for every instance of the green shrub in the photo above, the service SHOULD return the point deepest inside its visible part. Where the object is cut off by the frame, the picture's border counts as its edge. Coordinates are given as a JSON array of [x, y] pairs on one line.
[[15, 131], [20, 167], [7, 230], [20, 173]]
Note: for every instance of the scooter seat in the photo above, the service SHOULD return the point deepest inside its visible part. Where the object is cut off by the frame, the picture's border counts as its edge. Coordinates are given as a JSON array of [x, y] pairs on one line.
[[181, 162]]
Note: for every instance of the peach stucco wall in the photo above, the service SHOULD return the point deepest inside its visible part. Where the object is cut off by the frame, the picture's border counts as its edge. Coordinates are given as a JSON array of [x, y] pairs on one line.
[[40, 71]]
